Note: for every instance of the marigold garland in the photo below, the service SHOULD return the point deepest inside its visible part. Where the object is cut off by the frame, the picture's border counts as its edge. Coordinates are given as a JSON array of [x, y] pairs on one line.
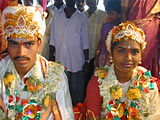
[[118, 108], [33, 107], [8, 78]]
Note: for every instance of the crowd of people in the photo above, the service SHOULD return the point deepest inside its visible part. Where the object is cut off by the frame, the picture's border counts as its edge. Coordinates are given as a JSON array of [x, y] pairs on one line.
[[62, 62]]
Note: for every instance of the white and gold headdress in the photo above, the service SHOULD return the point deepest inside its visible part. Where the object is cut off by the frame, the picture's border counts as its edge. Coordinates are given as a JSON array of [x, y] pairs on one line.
[[23, 22], [125, 31]]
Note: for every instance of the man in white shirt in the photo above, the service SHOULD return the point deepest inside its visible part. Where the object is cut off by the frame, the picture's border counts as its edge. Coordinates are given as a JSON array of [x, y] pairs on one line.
[[51, 10], [69, 41]]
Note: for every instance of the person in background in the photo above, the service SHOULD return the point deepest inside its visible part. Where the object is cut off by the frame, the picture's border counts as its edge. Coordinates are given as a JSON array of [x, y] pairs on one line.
[[113, 8], [147, 17], [6, 3], [57, 6], [96, 18], [31, 87], [124, 90], [28, 2], [69, 41], [80, 5], [51, 10]]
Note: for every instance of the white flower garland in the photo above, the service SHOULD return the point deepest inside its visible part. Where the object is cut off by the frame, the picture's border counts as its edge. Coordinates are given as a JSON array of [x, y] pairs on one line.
[[111, 80], [52, 83]]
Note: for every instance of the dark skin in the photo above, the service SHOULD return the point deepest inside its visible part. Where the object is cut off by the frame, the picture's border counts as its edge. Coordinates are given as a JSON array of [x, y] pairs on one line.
[[124, 10], [28, 2], [70, 8], [92, 4], [58, 3], [51, 51], [80, 5], [23, 54], [69, 12], [126, 56]]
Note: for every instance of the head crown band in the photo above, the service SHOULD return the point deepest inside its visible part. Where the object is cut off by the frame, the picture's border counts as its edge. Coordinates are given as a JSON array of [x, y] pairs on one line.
[[23, 22], [125, 31]]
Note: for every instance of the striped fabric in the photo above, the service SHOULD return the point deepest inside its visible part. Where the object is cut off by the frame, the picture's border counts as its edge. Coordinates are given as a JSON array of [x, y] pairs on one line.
[[95, 22]]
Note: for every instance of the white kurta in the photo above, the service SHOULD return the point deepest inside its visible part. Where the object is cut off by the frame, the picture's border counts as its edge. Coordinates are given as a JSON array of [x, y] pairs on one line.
[[61, 89]]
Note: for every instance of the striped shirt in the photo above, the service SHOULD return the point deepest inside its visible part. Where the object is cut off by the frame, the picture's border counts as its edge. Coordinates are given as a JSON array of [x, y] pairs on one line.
[[95, 22]]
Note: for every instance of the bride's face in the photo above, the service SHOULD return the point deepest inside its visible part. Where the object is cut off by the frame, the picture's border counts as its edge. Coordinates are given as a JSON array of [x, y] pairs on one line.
[[126, 55]]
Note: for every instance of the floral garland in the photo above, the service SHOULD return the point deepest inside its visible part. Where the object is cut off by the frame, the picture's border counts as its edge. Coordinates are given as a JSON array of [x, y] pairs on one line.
[[37, 102], [134, 106]]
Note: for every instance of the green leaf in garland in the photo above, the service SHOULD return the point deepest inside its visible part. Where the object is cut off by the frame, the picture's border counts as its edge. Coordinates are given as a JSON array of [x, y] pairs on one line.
[[58, 62], [147, 74], [25, 118], [32, 101], [151, 86], [140, 87], [25, 88], [11, 107], [109, 107], [116, 118], [8, 92], [125, 112], [132, 104], [37, 116], [16, 92], [66, 71], [19, 108], [118, 101]]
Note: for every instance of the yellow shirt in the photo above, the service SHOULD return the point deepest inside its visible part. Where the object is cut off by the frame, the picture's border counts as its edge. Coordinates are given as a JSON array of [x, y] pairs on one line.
[[95, 22]]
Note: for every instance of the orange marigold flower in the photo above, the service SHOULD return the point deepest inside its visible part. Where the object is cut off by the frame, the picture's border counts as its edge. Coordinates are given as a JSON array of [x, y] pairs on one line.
[[133, 114], [101, 74]]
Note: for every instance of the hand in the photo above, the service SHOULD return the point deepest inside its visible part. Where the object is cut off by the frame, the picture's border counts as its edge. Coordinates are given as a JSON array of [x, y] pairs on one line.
[[86, 67]]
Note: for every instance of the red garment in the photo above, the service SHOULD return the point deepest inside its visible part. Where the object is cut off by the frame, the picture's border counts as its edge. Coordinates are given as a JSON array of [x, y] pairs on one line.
[[3, 4], [151, 53], [44, 4], [6, 3], [139, 10], [158, 84], [93, 99]]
